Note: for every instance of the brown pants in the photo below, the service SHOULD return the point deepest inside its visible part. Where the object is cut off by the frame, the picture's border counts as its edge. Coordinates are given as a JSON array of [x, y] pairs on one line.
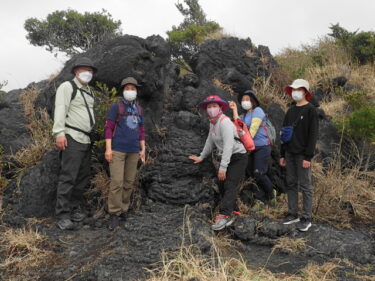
[[123, 169]]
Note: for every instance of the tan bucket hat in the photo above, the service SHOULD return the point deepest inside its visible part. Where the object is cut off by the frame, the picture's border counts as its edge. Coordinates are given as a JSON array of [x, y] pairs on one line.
[[129, 80], [299, 83]]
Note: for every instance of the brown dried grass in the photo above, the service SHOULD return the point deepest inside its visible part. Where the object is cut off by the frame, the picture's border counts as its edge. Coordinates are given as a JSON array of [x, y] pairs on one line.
[[290, 244], [223, 86], [25, 251], [39, 124]]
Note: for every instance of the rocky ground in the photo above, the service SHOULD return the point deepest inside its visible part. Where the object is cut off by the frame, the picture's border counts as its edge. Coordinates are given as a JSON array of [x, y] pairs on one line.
[[92, 252]]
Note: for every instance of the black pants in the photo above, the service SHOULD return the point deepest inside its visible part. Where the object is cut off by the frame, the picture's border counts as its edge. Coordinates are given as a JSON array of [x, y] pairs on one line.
[[257, 168], [74, 176], [230, 187]]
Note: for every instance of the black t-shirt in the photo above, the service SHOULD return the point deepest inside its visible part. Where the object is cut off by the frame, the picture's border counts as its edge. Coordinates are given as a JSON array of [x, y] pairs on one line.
[[305, 134]]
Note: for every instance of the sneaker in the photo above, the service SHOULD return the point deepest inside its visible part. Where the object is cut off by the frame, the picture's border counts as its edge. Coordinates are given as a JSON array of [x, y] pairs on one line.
[[65, 224], [289, 219], [221, 221], [113, 222], [258, 207], [304, 224], [235, 215], [77, 216]]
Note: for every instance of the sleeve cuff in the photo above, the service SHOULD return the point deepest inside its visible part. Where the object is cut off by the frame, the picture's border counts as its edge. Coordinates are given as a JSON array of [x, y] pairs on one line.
[[307, 158], [61, 134]]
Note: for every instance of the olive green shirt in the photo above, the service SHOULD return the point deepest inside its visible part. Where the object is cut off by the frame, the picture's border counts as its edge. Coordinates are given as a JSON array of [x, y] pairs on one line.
[[72, 112]]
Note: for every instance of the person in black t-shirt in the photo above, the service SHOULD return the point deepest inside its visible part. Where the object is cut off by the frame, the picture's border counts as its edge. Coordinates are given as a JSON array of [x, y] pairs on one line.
[[296, 154]]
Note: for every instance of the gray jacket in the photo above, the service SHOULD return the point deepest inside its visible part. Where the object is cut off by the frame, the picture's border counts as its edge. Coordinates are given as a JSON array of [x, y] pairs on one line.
[[223, 135]]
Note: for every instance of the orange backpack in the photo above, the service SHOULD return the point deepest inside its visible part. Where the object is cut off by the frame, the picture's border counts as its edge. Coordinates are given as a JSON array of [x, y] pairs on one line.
[[243, 133]]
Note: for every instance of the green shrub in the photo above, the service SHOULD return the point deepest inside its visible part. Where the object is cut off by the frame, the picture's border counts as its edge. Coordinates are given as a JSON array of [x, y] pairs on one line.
[[361, 45], [105, 97], [360, 124], [357, 99]]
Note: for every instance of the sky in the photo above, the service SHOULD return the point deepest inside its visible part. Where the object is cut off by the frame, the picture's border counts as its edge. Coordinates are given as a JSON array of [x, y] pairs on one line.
[[277, 24]]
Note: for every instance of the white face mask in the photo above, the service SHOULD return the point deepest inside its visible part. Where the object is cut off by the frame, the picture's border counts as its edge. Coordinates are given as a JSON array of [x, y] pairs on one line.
[[85, 76], [297, 95], [246, 105], [129, 95]]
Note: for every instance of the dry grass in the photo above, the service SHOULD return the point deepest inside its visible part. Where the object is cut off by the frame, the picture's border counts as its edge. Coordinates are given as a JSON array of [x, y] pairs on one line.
[[223, 86], [268, 92], [217, 35], [99, 189], [39, 124], [314, 271], [188, 263], [291, 245], [24, 250], [343, 196]]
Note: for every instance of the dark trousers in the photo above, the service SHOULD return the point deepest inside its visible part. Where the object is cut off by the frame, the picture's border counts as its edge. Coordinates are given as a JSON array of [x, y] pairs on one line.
[[229, 188], [298, 177], [257, 168], [74, 176]]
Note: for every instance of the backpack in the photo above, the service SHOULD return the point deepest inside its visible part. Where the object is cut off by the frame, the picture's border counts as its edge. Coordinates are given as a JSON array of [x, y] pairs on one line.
[[243, 133], [121, 113], [270, 130]]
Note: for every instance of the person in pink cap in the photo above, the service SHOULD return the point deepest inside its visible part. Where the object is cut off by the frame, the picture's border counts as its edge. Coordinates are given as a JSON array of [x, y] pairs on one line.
[[223, 135], [299, 136]]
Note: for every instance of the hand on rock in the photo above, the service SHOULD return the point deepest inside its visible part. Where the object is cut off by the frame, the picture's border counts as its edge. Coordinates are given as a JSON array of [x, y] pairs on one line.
[[195, 158]]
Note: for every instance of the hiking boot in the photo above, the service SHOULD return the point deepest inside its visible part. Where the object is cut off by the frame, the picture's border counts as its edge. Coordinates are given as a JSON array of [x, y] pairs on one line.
[[258, 207], [113, 222], [78, 216], [123, 216], [221, 221], [65, 224], [289, 219], [304, 224]]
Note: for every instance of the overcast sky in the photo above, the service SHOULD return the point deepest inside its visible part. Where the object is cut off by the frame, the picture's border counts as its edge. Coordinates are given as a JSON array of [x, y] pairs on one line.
[[274, 23]]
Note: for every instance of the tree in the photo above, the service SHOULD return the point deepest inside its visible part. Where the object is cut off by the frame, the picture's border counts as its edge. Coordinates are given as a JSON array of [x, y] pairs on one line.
[[360, 45], [71, 32], [186, 38]]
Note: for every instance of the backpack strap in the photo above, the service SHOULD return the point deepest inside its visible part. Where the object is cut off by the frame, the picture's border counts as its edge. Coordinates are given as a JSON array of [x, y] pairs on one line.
[[75, 89], [120, 114], [266, 130]]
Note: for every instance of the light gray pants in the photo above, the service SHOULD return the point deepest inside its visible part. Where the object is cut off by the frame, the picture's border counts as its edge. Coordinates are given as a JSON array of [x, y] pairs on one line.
[[298, 179]]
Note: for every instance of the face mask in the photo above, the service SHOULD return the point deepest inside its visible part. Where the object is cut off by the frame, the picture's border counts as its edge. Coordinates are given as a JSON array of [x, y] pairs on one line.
[[129, 95], [246, 105], [297, 95], [85, 76], [213, 111]]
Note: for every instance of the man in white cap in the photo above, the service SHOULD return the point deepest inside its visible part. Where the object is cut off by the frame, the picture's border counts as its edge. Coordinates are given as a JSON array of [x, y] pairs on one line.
[[299, 136], [73, 122]]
